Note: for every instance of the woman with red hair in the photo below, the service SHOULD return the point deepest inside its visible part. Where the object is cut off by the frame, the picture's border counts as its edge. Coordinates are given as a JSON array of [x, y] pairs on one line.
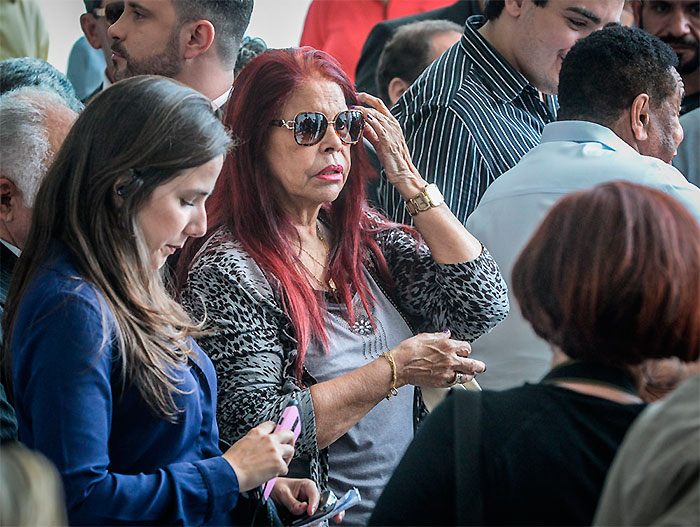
[[312, 296]]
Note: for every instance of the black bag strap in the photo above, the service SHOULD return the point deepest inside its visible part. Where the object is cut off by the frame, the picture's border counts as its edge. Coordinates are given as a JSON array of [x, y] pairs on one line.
[[467, 430]]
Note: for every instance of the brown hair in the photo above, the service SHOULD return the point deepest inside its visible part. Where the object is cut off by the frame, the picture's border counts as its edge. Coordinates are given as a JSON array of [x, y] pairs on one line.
[[148, 126], [612, 275]]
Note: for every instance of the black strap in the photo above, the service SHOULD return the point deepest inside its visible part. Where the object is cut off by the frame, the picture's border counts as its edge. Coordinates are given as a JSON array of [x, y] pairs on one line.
[[467, 430]]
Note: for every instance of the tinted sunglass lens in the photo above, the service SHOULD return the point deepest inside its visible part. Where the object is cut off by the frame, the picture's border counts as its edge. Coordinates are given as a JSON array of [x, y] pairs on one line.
[[309, 128], [113, 12], [349, 126]]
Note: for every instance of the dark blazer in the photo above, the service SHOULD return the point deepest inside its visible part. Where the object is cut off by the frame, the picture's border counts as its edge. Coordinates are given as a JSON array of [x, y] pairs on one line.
[[365, 74], [7, 265], [8, 421]]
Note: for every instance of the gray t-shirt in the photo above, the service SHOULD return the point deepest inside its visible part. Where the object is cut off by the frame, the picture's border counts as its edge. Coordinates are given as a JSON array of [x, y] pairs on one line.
[[367, 454]]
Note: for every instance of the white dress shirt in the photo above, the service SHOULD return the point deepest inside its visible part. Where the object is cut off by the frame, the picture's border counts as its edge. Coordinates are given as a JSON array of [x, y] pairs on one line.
[[573, 155]]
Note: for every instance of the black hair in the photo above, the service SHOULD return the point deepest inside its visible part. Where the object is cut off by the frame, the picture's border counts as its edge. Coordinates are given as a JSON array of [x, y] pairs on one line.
[[604, 72], [230, 19], [494, 8], [408, 53], [91, 5], [26, 71]]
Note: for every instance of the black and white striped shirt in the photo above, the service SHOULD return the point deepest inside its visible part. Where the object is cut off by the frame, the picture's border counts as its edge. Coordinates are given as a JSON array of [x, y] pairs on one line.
[[467, 119]]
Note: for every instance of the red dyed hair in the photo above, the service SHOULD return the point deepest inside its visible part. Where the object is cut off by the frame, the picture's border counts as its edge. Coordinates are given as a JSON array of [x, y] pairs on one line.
[[611, 276], [244, 201]]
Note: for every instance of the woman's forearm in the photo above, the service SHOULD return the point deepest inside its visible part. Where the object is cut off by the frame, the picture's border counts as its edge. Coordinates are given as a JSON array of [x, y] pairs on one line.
[[428, 359], [449, 241], [341, 402]]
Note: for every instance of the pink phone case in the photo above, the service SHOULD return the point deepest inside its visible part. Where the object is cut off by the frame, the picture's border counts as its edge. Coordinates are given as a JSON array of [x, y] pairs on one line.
[[289, 420]]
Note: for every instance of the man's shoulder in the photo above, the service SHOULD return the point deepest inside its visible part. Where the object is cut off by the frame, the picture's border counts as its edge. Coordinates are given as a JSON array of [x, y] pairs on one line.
[[448, 78], [564, 166]]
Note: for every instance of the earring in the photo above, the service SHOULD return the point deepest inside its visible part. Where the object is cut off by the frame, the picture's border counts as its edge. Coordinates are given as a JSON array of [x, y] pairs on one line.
[[136, 182]]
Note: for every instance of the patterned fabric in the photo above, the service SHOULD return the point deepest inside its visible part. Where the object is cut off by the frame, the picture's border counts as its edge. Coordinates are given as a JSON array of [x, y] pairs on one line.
[[467, 119], [252, 343]]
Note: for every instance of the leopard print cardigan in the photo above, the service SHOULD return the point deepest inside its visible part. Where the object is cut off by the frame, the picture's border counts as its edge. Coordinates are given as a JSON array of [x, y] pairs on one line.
[[252, 343]]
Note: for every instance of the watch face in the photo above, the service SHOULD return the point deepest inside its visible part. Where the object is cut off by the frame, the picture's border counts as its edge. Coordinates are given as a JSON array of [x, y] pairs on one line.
[[434, 195]]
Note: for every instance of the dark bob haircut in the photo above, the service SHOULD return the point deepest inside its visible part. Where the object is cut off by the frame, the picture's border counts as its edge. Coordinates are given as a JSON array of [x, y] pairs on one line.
[[611, 276], [604, 72]]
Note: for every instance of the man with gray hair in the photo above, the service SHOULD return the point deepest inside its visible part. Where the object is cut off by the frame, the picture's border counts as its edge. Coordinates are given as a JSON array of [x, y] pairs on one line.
[[25, 71], [34, 121]]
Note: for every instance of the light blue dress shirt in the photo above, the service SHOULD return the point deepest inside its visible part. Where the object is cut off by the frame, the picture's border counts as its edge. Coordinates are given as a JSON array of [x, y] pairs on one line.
[[86, 67], [573, 155], [688, 158]]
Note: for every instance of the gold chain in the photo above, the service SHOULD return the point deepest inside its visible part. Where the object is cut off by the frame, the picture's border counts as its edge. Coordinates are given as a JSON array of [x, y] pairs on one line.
[[330, 284]]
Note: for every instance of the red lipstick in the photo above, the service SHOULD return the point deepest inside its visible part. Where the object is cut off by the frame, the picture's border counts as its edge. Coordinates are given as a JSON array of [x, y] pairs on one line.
[[331, 173]]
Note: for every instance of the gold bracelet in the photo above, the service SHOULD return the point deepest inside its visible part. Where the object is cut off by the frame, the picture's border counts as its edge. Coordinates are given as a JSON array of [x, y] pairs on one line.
[[393, 392]]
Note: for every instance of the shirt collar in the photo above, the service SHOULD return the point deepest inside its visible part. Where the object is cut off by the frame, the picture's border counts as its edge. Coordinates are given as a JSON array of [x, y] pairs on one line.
[[14, 250], [497, 73], [220, 100], [106, 83], [585, 132], [617, 377]]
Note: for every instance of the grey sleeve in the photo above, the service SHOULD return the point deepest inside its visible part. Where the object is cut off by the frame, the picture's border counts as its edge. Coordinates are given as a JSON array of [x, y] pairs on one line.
[[468, 298], [245, 343]]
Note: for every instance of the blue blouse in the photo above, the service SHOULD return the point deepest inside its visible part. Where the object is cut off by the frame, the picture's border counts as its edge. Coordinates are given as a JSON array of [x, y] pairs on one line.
[[120, 462]]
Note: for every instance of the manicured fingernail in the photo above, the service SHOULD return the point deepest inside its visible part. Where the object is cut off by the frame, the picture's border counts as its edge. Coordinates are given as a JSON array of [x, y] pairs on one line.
[[446, 332]]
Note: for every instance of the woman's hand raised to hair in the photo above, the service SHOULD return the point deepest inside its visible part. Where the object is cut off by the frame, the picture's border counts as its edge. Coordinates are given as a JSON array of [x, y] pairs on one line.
[[260, 455], [434, 359], [385, 134]]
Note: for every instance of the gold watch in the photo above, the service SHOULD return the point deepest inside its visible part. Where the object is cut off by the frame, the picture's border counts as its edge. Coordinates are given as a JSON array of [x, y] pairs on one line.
[[428, 198]]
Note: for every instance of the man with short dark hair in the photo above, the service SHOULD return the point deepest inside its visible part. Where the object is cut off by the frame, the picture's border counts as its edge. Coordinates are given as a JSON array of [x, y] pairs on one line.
[[98, 16], [676, 22], [365, 73], [412, 49], [481, 106], [192, 41], [619, 96]]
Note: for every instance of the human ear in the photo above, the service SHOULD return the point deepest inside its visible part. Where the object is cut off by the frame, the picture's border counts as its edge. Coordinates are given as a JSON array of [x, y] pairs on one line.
[[514, 7], [396, 88], [199, 38], [8, 193], [119, 187], [88, 24], [640, 117]]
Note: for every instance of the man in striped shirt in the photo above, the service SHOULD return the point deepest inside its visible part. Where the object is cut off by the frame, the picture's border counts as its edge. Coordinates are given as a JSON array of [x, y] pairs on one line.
[[482, 105]]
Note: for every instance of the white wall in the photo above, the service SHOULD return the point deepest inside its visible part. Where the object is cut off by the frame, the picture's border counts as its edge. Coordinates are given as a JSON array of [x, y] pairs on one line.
[[278, 22]]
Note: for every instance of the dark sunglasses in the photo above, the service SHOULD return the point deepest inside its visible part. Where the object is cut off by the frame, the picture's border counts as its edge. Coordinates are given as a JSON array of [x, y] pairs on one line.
[[111, 12], [310, 127]]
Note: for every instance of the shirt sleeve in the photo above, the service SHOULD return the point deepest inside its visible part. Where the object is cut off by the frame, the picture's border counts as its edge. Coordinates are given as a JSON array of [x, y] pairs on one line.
[[255, 376], [467, 298], [445, 153], [63, 382]]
